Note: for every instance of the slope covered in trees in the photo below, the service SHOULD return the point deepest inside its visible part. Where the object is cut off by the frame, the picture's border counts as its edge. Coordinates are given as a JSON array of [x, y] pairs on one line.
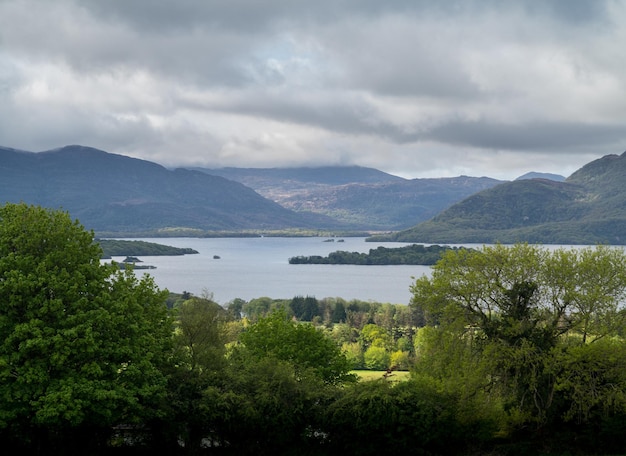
[[588, 208], [117, 194], [364, 198]]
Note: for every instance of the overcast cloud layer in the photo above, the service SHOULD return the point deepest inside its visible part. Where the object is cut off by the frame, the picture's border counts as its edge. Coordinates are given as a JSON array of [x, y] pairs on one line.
[[415, 88]]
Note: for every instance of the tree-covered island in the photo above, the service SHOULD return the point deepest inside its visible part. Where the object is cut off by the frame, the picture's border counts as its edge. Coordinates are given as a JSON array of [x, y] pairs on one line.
[[415, 254], [119, 247]]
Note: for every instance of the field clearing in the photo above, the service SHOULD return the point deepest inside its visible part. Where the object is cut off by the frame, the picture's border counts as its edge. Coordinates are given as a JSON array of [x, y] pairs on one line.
[[396, 376]]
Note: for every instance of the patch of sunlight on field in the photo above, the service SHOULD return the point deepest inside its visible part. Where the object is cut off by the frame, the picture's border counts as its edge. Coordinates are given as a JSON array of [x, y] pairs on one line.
[[395, 376]]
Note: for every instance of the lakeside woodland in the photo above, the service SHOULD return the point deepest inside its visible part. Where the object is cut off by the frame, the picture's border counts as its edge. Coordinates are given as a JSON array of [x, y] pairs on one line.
[[510, 350], [415, 254]]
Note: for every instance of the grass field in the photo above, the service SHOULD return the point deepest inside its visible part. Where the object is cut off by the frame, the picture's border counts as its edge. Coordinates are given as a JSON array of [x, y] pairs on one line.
[[375, 375]]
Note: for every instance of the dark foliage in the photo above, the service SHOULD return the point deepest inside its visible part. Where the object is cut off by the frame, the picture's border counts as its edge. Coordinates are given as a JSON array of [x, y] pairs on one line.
[[116, 247], [412, 254]]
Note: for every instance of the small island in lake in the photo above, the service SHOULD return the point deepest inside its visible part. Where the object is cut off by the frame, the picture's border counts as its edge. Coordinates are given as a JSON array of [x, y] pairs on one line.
[[415, 254], [117, 247]]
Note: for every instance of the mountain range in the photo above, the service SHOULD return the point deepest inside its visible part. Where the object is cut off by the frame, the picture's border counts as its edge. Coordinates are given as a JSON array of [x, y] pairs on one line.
[[359, 197], [112, 193], [589, 207], [118, 195]]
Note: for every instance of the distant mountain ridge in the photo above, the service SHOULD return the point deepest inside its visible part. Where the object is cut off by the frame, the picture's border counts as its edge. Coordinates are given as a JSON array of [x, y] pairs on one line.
[[536, 175], [361, 197], [589, 207], [114, 193], [327, 175]]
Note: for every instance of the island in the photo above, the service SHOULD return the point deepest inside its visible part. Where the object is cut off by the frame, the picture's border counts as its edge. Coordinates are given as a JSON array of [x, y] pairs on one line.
[[415, 254], [118, 247]]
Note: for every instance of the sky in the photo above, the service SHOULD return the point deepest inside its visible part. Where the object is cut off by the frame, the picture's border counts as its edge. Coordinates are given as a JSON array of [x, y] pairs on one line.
[[411, 87]]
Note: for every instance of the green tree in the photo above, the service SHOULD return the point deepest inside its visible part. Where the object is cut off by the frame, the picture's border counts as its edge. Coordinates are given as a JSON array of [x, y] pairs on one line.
[[514, 306], [199, 348], [304, 309], [376, 358], [82, 343], [354, 354], [235, 307], [412, 417], [301, 344], [256, 308], [339, 312], [377, 336], [200, 333], [263, 406]]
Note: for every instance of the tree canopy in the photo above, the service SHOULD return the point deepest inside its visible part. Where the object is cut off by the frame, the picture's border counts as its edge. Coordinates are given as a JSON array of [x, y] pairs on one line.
[[411, 254], [514, 317], [81, 343], [300, 344], [512, 350]]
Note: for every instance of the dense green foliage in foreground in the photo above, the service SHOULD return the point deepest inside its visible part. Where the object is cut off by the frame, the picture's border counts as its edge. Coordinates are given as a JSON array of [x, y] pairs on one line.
[[118, 247], [411, 254], [533, 336], [512, 350]]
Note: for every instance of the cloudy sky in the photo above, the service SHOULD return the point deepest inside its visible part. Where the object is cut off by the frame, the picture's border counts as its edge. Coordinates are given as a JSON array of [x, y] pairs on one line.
[[416, 88]]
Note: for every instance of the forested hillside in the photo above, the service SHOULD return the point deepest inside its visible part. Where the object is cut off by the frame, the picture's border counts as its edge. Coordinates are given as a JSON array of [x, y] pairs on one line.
[[364, 198], [588, 208], [114, 193]]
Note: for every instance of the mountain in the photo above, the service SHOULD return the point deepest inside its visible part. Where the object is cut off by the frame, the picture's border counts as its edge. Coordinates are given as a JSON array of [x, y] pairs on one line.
[[535, 175], [589, 207], [324, 175], [115, 193], [364, 198]]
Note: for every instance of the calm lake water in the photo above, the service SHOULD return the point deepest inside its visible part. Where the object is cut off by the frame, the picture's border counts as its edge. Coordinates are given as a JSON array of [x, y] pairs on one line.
[[250, 268]]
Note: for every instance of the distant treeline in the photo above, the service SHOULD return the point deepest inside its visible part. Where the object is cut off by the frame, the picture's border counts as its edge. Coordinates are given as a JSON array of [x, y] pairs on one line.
[[116, 247], [415, 254]]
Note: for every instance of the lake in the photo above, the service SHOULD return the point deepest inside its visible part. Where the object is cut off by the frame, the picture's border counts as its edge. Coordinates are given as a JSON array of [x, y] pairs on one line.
[[250, 268]]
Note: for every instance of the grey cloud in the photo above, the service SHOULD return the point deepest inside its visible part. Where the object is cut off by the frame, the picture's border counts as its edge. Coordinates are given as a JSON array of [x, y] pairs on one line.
[[265, 81], [545, 136]]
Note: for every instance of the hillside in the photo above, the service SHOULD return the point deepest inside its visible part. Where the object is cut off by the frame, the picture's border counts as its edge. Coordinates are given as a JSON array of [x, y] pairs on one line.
[[536, 175], [364, 198], [588, 208], [115, 193]]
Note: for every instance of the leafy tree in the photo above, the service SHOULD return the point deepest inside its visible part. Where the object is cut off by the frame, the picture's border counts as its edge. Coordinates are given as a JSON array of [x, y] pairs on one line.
[[200, 335], [509, 309], [399, 360], [82, 343], [412, 417], [376, 336], [263, 406], [199, 349], [376, 358], [354, 354], [235, 307], [301, 344], [341, 333], [256, 308]]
